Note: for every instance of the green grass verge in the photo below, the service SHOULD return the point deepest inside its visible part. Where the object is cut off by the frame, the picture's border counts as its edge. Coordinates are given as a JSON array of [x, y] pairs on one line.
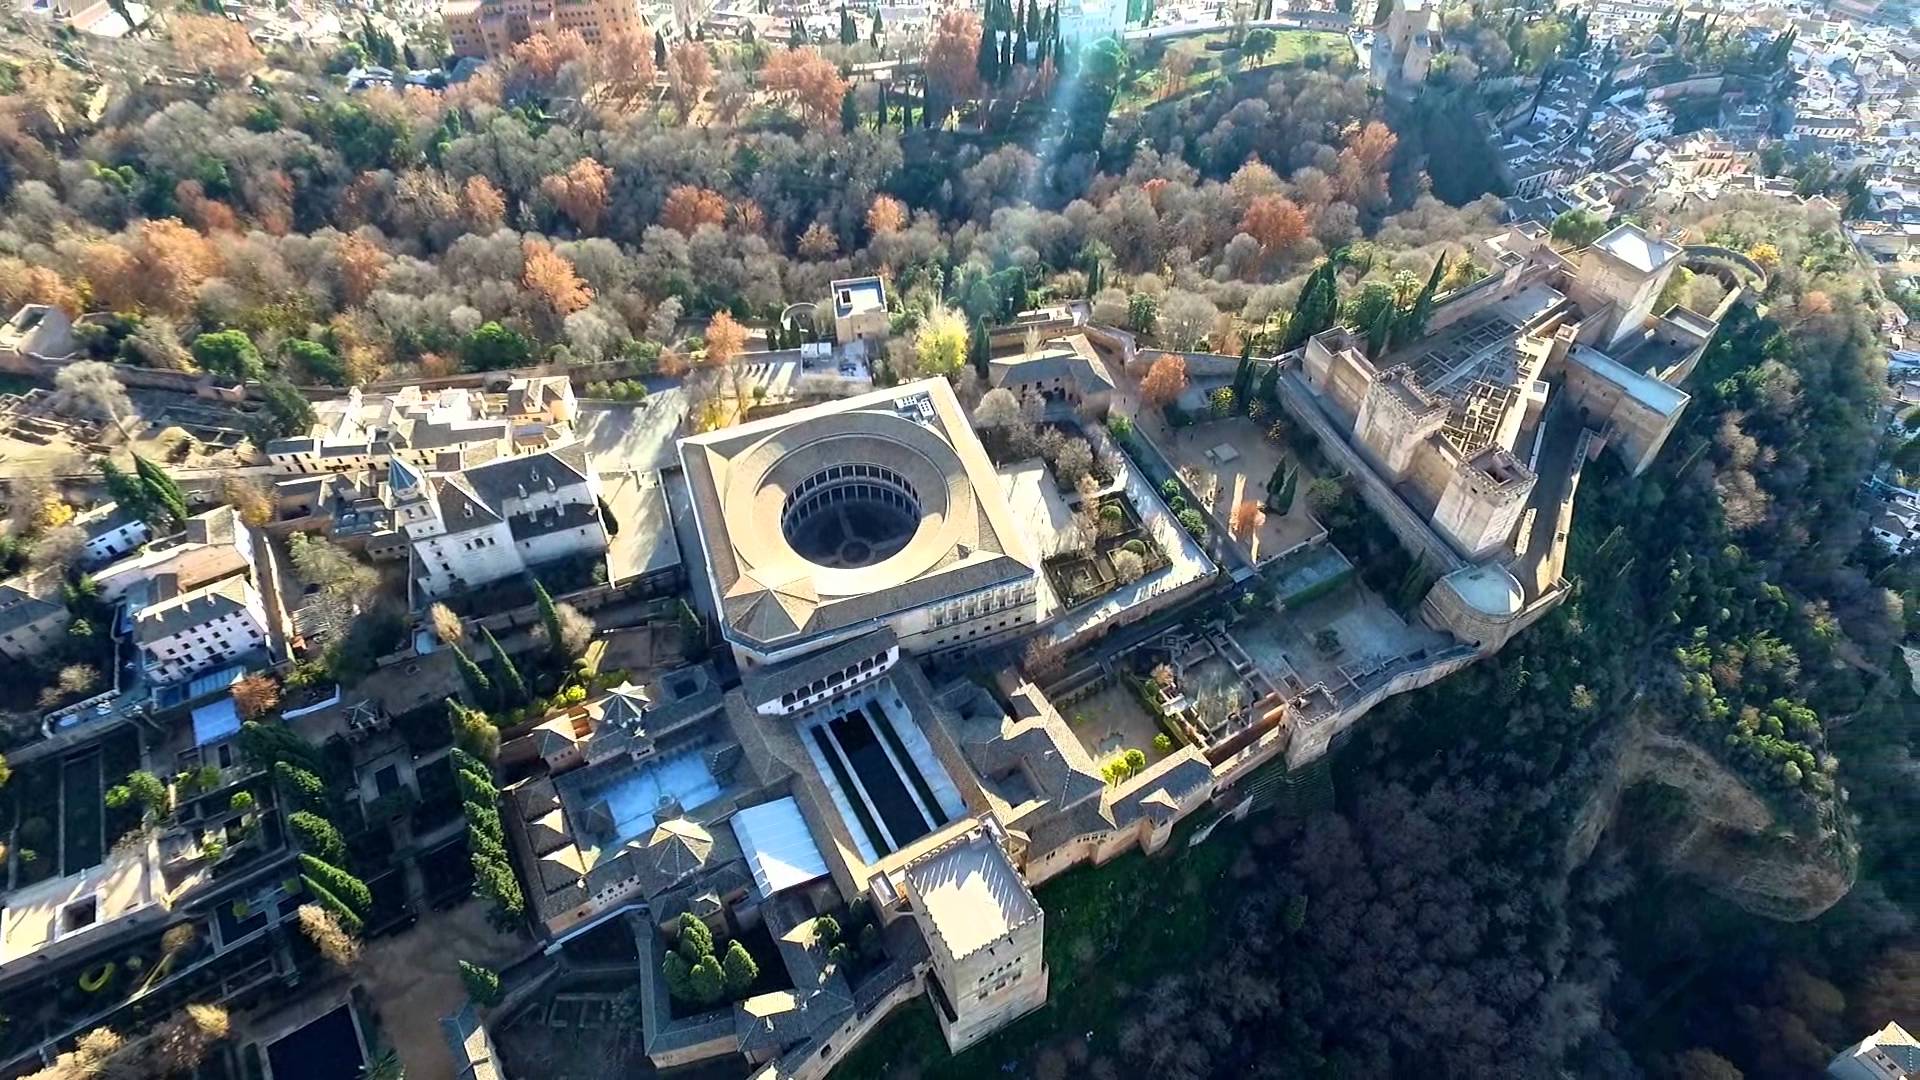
[[1110, 930]]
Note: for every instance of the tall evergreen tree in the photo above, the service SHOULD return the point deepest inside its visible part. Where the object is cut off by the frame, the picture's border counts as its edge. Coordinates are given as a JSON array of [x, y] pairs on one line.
[[849, 31], [1243, 378], [1270, 384], [1283, 500], [513, 688], [127, 490], [549, 618], [659, 51], [980, 349], [477, 682], [880, 119], [874, 30], [849, 112], [1380, 334], [1416, 324], [162, 492], [987, 62]]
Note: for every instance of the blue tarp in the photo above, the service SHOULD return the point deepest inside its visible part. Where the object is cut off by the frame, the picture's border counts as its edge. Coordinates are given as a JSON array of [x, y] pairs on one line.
[[215, 721]]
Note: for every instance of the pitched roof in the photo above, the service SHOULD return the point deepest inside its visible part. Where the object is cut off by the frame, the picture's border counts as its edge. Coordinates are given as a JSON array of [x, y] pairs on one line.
[[514, 477], [1066, 357], [24, 601], [461, 508], [768, 683], [740, 479], [188, 610]]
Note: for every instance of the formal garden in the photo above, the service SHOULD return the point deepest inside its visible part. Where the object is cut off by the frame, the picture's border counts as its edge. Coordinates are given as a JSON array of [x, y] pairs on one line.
[[58, 816], [1117, 550]]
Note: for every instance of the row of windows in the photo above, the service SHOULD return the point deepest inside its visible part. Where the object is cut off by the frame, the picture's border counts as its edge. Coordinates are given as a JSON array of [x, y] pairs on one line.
[[797, 512], [981, 604], [833, 681], [835, 473]]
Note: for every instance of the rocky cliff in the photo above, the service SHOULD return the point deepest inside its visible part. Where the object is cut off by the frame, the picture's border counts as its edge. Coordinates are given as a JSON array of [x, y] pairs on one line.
[[1729, 839]]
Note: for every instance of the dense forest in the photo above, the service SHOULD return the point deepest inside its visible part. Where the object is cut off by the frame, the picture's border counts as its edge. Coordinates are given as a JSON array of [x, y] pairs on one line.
[[1725, 596]]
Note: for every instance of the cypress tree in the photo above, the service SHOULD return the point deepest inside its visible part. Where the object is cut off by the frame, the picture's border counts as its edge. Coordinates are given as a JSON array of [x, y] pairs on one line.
[[1423, 304], [477, 682], [1270, 384], [873, 32], [849, 112], [162, 492], [1276, 481], [338, 882], [549, 618], [127, 490], [659, 50], [980, 348], [1243, 378], [512, 686], [880, 120], [987, 61], [1380, 334], [1284, 501], [849, 33]]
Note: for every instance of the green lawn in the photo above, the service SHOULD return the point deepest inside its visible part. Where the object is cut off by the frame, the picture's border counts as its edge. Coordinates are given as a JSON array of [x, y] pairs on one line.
[[1290, 47], [1109, 929]]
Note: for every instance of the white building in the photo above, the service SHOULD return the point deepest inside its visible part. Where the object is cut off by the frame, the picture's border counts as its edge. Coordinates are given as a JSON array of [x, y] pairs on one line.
[[436, 431], [491, 522], [111, 533], [211, 546], [1083, 21], [184, 634], [1887, 1054]]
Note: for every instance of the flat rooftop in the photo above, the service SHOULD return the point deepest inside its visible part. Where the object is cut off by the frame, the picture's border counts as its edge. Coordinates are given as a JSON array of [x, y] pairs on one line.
[[645, 542], [971, 893], [1634, 246], [39, 915], [857, 296], [1643, 388]]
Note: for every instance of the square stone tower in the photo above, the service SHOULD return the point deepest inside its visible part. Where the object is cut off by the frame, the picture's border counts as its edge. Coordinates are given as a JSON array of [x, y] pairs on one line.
[[984, 930]]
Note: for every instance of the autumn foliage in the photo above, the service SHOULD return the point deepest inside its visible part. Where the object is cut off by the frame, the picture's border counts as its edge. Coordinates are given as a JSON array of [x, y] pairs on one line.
[[581, 192], [1246, 519], [1275, 221], [688, 207], [726, 338], [550, 276], [953, 55], [806, 79], [1165, 380], [886, 215]]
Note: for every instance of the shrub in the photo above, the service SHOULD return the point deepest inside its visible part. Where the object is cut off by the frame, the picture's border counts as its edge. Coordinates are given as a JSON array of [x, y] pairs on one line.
[[338, 882], [739, 968], [840, 954], [318, 836], [696, 941], [1191, 521], [826, 929], [1162, 743], [707, 980]]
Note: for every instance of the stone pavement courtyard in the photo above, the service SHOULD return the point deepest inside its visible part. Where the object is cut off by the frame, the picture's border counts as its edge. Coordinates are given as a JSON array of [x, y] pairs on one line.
[[1112, 720], [1230, 460]]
